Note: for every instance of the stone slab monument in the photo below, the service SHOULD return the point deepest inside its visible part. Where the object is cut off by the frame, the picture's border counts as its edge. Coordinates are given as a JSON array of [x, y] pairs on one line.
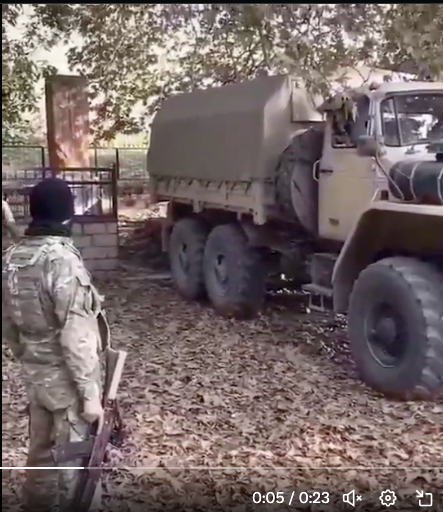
[[68, 136]]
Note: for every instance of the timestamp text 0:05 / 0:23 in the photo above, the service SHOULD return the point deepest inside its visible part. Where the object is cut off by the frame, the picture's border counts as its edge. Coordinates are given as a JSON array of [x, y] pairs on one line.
[[289, 498]]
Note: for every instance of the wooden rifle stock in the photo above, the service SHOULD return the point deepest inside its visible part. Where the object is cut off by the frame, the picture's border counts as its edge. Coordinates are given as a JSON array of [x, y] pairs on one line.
[[93, 450]]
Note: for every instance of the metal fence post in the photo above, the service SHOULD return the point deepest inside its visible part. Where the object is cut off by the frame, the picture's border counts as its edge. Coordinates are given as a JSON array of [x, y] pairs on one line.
[[42, 150], [117, 163]]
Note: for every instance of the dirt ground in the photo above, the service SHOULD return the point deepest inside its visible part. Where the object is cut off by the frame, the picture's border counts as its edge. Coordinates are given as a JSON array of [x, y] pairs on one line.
[[268, 404]]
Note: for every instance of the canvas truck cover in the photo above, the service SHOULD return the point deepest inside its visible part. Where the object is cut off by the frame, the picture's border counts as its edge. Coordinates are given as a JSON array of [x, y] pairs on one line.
[[233, 133]]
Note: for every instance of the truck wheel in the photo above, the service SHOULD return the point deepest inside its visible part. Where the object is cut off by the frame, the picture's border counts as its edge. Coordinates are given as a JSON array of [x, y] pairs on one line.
[[235, 274], [186, 249], [395, 324], [295, 188]]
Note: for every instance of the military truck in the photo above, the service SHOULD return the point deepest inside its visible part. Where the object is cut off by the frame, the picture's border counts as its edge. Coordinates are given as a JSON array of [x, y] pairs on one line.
[[345, 199]]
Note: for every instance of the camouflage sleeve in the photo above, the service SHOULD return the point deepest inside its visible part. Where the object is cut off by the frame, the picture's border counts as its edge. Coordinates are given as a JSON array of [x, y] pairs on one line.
[[71, 289], [8, 221], [11, 336], [7, 217], [10, 332]]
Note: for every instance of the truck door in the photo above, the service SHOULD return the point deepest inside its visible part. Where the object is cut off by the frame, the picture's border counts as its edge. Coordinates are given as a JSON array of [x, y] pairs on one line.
[[346, 180]]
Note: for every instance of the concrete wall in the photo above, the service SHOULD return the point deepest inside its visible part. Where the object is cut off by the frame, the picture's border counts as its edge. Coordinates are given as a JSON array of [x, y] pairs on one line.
[[98, 244]]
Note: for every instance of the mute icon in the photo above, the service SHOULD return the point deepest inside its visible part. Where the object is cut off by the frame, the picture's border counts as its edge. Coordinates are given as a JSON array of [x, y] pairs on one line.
[[350, 498]]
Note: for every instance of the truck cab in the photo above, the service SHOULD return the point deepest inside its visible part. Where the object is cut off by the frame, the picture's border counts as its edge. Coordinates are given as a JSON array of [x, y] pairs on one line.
[[404, 118]]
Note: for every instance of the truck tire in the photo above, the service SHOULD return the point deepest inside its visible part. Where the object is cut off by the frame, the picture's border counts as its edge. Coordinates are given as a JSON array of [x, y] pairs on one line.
[[295, 187], [395, 324], [235, 273], [186, 249]]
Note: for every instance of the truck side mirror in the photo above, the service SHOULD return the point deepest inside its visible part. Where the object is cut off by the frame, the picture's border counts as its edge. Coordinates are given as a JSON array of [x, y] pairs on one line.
[[367, 146]]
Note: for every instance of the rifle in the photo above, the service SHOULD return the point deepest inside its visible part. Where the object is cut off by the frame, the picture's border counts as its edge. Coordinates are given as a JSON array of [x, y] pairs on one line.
[[93, 450]]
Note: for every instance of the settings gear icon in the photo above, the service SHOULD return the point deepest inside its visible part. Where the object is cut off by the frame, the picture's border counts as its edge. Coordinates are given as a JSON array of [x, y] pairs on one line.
[[388, 498]]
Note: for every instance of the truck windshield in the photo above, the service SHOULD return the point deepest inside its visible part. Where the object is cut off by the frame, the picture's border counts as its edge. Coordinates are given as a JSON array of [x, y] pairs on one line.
[[412, 118]]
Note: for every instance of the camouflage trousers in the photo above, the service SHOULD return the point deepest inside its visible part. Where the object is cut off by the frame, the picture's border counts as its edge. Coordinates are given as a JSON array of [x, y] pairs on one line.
[[48, 490]]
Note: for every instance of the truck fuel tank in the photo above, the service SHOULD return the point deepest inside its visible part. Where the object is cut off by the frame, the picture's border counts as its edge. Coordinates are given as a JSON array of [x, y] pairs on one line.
[[421, 182]]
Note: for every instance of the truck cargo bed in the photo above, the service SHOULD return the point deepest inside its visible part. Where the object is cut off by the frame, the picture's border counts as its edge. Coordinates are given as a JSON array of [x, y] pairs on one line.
[[254, 198], [220, 147]]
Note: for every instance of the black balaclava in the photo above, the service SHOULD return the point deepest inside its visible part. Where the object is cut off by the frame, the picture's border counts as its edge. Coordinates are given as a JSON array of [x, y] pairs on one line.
[[51, 206]]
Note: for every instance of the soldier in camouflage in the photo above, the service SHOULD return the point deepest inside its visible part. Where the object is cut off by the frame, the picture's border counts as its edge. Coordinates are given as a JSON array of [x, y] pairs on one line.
[[8, 221], [50, 310]]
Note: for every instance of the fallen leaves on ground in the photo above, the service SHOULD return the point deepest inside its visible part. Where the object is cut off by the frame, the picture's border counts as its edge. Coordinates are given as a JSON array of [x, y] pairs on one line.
[[278, 394]]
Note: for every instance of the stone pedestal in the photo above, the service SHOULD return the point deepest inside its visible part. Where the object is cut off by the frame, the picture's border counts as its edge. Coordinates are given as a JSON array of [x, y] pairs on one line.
[[98, 244]]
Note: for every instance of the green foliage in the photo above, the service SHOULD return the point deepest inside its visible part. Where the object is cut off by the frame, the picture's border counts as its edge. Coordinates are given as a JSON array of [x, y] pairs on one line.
[[20, 74], [135, 55], [413, 39]]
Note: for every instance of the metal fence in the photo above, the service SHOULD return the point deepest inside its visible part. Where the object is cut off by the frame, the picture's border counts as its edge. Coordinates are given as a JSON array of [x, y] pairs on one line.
[[94, 189], [130, 162]]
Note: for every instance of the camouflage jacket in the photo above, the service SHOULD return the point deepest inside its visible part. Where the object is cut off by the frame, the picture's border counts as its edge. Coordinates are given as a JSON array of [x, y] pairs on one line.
[[8, 221], [49, 320]]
